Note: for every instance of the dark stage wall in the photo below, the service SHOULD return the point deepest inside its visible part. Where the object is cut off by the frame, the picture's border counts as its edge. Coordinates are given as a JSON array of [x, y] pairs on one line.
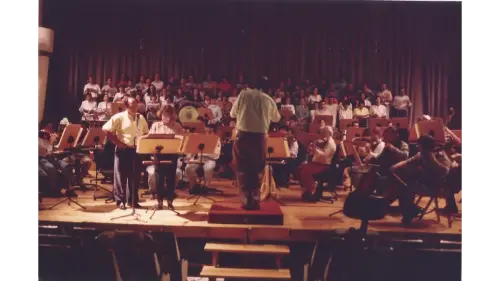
[[415, 45]]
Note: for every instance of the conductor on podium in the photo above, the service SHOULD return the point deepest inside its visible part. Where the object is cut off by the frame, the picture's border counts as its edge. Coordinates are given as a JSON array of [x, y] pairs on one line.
[[122, 130], [254, 110]]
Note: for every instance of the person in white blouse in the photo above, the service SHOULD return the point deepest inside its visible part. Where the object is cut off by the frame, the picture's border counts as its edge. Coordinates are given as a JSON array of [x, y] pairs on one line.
[[216, 111], [378, 110], [386, 97], [288, 106], [104, 108], [333, 107], [92, 88], [366, 101], [120, 95], [345, 110], [141, 85], [315, 97], [88, 108], [401, 104], [157, 82], [153, 107], [163, 96], [314, 111], [130, 89], [109, 90]]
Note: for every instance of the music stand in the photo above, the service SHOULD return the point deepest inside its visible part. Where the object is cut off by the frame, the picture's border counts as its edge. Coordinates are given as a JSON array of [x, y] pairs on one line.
[[201, 143], [400, 122], [197, 127], [354, 133], [206, 113], [328, 118], [95, 138], [117, 107], [344, 123], [68, 141], [428, 127], [314, 128], [276, 147], [377, 122], [156, 145]]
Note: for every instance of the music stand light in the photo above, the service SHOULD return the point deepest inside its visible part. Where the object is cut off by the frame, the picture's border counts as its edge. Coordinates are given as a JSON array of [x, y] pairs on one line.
[[428, 127], [94, 139], [68, 141], [276, 148], [201, 143]]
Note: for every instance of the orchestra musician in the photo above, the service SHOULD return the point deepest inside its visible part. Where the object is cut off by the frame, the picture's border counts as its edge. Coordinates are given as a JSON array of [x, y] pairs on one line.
[[254, 110], [52, 170], [323, 152], [195, 169], [430, 171], [156, 177], [217, 112], [122, 130]]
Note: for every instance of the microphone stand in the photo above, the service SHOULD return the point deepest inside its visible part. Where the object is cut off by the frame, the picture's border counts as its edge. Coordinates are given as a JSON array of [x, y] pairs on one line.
[[135, 216]]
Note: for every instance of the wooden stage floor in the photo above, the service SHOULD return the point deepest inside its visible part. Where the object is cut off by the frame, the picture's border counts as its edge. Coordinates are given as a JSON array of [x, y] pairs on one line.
[[302, 221]]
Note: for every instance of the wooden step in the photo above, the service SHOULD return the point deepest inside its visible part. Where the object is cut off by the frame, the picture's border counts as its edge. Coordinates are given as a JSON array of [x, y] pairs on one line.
[[248, 248], [245, 273]]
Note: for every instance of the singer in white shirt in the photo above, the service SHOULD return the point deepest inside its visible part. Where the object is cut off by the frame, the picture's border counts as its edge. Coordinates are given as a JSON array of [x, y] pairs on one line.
[[378, 110], [401, 104], [109, 89], [92, 88], [104, 109], [157, 83], [345, 110], [88, 108]]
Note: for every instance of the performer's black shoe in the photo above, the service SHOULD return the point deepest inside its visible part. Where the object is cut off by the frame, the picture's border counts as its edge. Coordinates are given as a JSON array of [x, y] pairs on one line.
[[170, 205]]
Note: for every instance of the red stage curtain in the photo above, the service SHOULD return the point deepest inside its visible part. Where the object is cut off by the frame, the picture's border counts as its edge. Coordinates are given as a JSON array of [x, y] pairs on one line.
[[415, 45]]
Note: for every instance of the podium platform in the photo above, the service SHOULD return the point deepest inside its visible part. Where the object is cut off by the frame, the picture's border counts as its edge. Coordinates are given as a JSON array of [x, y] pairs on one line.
[[232, 213]]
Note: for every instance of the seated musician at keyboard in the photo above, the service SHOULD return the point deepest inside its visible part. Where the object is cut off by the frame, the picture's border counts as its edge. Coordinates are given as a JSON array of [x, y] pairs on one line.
[[323, 152], [156, 177], [194, 169], [51, 169]]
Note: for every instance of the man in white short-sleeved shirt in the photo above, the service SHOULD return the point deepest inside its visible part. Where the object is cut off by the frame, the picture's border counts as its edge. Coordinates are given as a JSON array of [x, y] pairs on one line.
[[92, 88], [122, 130], [157, 83]]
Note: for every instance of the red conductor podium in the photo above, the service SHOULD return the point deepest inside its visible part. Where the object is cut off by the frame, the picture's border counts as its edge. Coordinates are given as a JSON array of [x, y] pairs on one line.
[[231, 213]]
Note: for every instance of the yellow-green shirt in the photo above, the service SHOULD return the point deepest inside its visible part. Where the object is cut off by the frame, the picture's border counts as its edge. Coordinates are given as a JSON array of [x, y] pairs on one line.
[[254, 111]]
